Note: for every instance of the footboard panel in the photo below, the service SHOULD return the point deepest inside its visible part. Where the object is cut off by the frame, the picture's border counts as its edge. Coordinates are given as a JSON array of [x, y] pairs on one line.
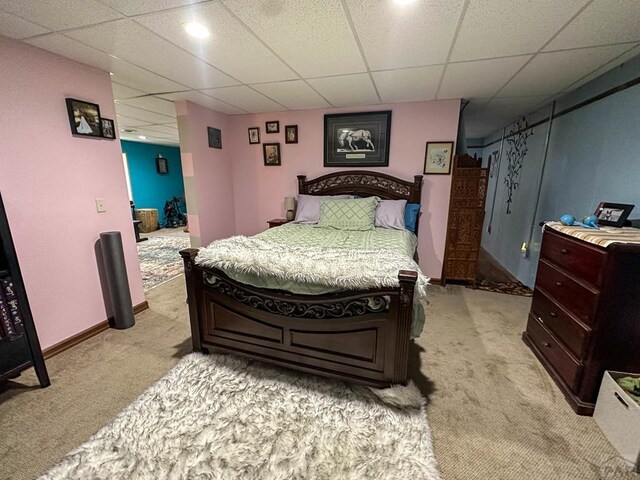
[[359, 336]]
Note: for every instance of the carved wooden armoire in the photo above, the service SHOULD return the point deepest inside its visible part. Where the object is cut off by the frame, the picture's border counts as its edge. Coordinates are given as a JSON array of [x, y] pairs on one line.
[[466, 214]]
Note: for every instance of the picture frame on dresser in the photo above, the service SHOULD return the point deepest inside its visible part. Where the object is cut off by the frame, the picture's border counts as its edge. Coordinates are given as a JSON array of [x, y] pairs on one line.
[[612, 214]]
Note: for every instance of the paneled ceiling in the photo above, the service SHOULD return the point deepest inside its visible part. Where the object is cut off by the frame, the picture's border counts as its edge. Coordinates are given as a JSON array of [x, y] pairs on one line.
[[506, 56]]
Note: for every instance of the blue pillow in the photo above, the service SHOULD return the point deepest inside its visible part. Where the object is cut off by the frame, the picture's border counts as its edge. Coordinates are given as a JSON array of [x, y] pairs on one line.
[[411, 216]]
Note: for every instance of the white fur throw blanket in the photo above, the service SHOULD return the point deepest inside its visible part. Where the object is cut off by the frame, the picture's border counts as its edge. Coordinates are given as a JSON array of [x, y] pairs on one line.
[[331, 266]]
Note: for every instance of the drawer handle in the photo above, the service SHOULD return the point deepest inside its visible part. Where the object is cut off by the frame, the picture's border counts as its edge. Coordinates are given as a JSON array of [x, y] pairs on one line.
[[553, 314], [546, 344], [559, 284], [564, 251]]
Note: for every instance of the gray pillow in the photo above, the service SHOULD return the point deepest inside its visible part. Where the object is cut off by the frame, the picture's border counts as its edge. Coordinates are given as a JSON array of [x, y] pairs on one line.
[[308, 210], [390, 214]]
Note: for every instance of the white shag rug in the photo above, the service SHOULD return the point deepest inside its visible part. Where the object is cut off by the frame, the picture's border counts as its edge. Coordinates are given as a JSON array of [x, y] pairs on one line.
[[225, 417]]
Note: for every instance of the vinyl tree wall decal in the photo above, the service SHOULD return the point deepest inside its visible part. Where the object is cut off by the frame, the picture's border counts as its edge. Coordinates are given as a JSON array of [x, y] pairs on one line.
[[517, 141]]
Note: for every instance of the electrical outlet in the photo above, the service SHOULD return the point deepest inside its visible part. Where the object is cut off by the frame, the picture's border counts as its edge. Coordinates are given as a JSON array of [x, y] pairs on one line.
[[100, 206]]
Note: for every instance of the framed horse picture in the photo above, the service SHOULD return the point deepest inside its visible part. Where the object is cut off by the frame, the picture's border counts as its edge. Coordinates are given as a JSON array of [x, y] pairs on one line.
[[357, 139]]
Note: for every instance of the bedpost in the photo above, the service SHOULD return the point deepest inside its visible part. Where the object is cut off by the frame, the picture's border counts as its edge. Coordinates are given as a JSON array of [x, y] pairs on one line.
[[193, 277], [302, 188], [407, 280]]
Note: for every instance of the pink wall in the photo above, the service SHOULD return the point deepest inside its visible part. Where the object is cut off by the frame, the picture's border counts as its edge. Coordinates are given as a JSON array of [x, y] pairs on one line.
[[259, 190], [49, 180], [207, 172]]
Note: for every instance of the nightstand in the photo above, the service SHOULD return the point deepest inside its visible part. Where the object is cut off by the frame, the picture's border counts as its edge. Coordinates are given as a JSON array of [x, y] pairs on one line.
[[276, 222]]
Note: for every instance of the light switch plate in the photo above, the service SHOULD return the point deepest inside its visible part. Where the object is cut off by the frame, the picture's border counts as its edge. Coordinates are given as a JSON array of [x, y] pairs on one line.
[[100, 206]]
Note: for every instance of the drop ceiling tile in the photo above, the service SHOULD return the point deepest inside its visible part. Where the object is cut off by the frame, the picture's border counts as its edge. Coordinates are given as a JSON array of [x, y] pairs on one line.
[[495, 28], [61, 14], [296, 94], [15, 27], [231, 47], [126, 122], [602, 22], [612, 64], [132, 42], [549, 73], [312, 36], [67, 47], [169, 130], [245, 98], [149, 139], [153, 104], [419, 33], [137, 7], [138, 78], [205, 101], [347, 90], [481, 78], [408, 85], [140, 114], [121, 92]]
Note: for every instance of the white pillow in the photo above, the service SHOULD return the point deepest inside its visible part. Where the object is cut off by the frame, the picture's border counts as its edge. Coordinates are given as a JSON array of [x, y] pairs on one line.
[[390, 214], [308, 210]]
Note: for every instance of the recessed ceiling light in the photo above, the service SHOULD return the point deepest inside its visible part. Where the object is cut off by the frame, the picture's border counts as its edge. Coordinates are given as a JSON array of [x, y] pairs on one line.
[[403, 2], [196, 29], [111, 73], [142, 137]]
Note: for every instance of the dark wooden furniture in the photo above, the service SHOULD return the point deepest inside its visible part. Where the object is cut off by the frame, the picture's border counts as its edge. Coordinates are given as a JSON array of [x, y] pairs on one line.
[[358, 335], [585, 314], [276, 222], [22, 349], [466, 214]]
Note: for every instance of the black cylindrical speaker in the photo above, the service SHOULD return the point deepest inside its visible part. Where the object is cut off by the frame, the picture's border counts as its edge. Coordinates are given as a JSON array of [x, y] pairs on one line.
[[116, 273]]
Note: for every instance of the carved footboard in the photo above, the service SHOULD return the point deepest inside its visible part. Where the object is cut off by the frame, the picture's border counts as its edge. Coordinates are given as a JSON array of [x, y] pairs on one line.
[[360, 336]]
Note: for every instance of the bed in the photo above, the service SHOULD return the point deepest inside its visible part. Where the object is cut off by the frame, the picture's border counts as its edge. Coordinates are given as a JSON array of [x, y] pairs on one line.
[[358, 335]]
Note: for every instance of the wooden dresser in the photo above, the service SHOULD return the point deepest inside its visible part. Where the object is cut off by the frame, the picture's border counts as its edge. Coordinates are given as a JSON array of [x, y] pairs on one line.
[[585, 314]]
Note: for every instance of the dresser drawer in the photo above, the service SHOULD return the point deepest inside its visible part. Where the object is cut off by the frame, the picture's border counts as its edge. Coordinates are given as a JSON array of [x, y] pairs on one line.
[[565, 328], [581, 259], [576, 298], [563, 363]]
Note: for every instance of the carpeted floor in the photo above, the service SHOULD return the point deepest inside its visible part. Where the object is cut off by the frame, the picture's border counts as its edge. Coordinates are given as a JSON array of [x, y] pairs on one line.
[[494, 412], [159, 258]]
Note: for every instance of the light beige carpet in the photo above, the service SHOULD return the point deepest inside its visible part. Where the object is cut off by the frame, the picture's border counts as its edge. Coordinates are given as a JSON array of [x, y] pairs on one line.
[[493, 411]]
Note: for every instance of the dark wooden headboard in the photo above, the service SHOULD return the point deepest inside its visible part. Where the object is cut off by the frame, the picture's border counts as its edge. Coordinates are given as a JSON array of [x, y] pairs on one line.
[[363, 184]]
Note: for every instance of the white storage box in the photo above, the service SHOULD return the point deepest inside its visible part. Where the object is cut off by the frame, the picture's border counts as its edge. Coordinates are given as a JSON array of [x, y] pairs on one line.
[[618, 416]]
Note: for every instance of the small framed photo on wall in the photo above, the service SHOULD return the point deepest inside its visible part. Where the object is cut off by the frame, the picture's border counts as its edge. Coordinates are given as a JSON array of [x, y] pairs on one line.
[[108, 129], [437, 158], [215, 137], [162, 165], [254, 135], [273, 126], [271, 153], [291, 134]]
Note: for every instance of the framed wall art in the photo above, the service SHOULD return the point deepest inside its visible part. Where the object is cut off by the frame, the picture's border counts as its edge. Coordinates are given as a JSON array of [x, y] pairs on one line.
[[291, 134], [612, 214], [437, 158], [84, 118], [254, 135], [357, 139], [271, 153], [215, 137], [162, 165], [108, 128], [273, 126]]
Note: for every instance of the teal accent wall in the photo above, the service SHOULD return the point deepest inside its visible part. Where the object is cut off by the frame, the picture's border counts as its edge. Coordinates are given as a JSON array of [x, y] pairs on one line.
[[149, 188]]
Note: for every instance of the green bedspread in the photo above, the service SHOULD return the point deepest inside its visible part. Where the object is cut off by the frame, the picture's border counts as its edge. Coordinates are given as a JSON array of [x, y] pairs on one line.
[[401, 241]]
